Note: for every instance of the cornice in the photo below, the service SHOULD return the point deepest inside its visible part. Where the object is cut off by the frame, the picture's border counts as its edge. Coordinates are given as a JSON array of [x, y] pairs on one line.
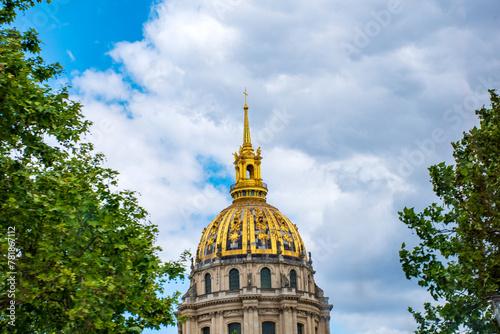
[[258, 297]]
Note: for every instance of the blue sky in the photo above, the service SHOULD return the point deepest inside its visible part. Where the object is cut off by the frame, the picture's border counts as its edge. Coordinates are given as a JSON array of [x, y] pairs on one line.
[[87, 29], [350, 102]]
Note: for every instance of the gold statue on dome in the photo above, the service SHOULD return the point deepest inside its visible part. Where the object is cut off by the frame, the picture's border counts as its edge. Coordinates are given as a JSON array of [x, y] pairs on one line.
[[258, 152]]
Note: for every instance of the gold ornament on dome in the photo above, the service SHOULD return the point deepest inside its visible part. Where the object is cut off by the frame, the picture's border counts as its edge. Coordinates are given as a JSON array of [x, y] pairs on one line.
[[284, 227], [261, 225], [210, 241], [233, 237], [263, 236], [287, 238], [259, 214], [236, 225], [213, 230]]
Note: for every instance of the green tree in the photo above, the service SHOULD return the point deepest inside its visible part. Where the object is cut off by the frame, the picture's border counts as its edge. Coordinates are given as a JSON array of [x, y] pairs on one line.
[[78, 256], [458, 258]]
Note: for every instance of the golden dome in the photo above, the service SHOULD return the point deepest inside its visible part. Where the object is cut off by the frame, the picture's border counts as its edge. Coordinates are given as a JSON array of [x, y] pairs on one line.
[[249, 226]]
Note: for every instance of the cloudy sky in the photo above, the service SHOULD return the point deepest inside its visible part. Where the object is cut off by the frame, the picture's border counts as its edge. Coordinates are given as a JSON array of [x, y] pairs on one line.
[[350, 101]]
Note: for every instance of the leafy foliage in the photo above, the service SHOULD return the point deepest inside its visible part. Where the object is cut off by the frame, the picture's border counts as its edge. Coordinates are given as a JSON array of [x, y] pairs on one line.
[[458, 258], [9, 7], [85, 255]]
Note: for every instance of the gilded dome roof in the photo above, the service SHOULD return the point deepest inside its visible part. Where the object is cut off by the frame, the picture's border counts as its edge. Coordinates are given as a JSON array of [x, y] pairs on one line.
[[250, 227]]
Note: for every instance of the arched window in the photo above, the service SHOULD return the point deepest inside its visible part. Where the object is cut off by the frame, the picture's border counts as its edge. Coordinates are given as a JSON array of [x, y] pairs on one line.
[[265, 278], [208, 283], [250, 172], [293, 279], [234, 327], [205, 330], [234, 279], [300, 329], [268, 327]]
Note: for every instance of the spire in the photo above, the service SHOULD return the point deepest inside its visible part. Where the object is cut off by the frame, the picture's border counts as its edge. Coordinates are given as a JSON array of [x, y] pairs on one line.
[[246, 127], [249, 183]]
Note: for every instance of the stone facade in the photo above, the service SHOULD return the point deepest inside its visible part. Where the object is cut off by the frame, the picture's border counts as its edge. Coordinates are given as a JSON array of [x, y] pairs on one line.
[[288, 304]]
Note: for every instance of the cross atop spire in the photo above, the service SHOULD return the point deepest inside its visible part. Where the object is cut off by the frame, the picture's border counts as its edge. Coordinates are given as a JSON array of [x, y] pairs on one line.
[[246, 127]]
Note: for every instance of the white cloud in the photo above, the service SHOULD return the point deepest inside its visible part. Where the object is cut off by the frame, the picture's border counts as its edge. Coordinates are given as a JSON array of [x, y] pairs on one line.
[[107, 85], [70, 54]]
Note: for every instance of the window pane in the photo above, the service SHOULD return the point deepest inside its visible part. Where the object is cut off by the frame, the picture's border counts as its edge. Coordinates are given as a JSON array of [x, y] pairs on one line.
[[234, 327], [293, 279], [208, 284], [265, 278], [206, 330], [268, 327], [300, 329], [234, 279]]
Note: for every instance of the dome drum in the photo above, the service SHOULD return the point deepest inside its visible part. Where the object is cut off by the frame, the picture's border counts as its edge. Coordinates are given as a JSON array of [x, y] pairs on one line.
[[251, 293]]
